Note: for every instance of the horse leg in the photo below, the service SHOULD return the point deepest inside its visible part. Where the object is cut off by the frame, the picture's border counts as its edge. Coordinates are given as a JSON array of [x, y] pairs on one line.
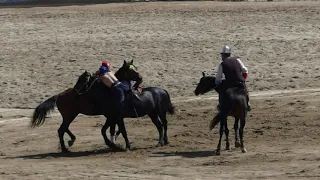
[[165, 127], [112, 132], [106, 140], [242, 124], [227, 135], [64, 127], [73, 138], [236, 132], [61, 132], [222, 126], [158, 124], [123, 131]]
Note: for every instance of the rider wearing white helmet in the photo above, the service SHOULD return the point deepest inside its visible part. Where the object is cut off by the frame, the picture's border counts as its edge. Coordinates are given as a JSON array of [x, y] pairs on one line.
[[233, 69]]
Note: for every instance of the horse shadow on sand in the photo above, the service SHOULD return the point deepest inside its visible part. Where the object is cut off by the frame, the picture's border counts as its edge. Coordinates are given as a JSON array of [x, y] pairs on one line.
[[185, 154], [60, 154], [75, 154]]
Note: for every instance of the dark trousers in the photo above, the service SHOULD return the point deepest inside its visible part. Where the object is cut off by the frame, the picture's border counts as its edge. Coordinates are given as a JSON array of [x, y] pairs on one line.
[[118, 97]]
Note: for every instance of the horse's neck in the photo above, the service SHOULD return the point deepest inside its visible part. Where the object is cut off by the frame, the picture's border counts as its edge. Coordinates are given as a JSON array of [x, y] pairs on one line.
[[220, 86], [120, 76]]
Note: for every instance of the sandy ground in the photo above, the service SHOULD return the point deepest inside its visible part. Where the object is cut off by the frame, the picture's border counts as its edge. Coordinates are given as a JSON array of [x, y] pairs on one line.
[[44, 49], [281, 136]]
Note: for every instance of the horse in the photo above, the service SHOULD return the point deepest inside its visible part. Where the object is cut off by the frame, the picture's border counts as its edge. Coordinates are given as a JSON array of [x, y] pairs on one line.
[[83, 98], [233, 103], [154, 102]]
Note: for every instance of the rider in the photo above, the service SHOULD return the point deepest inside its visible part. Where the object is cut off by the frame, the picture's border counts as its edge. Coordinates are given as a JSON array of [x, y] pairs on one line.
[[117, 88], [127, 86], [234, 70]]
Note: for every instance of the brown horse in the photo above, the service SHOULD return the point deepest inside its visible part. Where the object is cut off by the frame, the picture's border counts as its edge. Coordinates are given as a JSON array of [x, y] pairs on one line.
[[88, 98], [234, 104]]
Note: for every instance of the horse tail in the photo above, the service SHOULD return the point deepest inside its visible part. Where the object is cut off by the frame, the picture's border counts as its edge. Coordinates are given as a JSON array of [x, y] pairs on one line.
[[214, 121], [171, 108], [41, 111]]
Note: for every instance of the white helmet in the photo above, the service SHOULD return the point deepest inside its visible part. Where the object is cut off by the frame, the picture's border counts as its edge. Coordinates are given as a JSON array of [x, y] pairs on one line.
[[226, 50]]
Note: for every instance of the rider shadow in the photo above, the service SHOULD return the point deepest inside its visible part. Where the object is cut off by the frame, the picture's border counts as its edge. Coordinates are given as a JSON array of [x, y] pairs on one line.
[[59, 154], [186, 154]]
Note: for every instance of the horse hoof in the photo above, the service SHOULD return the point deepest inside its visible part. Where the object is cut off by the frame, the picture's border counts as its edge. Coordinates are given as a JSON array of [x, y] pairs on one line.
[[218, 153], [227, 148], [166, 143], [128, 150], [244, 150], [237, 144], [65, 151], [160, 144], [70, 143]]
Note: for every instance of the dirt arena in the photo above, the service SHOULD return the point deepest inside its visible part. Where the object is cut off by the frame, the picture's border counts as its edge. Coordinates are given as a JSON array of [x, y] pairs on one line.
[[44, 49]]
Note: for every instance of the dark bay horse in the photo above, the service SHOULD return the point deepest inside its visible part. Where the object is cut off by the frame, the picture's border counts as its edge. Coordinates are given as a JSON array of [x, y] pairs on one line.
[[154, 102], [234, 104], [84, 98]]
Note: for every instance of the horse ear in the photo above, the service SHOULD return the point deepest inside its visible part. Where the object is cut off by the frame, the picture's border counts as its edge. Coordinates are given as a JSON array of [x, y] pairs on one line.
[[124, 62], [203, 74], [131, 61]]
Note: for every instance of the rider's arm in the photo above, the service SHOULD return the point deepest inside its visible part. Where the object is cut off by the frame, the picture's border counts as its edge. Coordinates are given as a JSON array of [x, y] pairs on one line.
[[219, 75], [244, 69]]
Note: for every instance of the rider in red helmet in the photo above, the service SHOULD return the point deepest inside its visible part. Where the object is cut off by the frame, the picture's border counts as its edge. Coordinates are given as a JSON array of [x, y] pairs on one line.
[[110, 80]]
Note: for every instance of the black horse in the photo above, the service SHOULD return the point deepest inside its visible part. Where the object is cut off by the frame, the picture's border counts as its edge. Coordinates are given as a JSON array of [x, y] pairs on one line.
[[154, 102], [87, 97], [234, 103]]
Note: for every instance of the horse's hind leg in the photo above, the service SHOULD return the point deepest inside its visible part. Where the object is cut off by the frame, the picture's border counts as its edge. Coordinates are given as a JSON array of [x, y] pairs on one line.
[[226, 130], [242, 124], [158, 124], [112, 132], [165, 127], [73, 138], [106, 140], [123, 131], [64, 127], [222, 126], [236, 132]]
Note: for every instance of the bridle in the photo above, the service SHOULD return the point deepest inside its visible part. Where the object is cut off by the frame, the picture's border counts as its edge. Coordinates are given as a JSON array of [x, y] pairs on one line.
[[83, 85]]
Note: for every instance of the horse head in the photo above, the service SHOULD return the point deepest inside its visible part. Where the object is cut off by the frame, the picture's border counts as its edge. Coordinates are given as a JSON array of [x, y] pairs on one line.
[[83, 82], [206, 84], [128, 72]]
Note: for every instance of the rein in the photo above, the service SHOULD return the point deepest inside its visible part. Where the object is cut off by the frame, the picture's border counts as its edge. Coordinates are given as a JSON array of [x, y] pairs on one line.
[[78, 91]]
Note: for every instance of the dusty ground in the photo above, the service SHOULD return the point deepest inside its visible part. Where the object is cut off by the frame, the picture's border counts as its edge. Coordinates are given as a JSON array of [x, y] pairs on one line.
[[44, 49]]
